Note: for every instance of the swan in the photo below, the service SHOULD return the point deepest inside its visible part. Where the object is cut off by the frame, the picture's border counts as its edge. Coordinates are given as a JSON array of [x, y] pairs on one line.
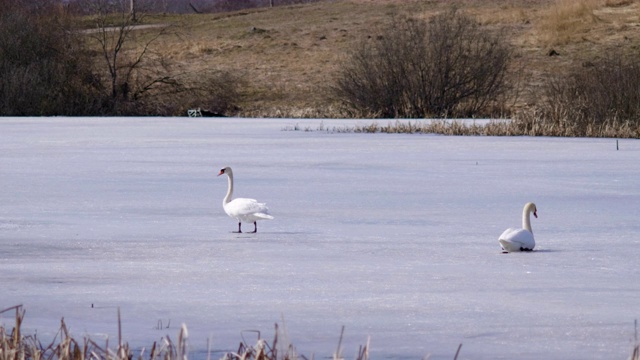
[[514, 239], [242, 209]]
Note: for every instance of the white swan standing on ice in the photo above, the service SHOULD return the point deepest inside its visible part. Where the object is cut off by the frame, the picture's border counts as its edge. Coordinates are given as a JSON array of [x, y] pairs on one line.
[[242, 209], [514, 239]]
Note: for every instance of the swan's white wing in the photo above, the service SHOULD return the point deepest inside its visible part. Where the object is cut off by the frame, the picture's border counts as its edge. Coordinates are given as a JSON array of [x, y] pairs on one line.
[[247, 210], [516, 240], [263, 216]]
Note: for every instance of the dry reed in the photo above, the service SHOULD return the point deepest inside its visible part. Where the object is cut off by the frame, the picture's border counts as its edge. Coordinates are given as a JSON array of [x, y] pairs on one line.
[[15, 346], [525, 124]]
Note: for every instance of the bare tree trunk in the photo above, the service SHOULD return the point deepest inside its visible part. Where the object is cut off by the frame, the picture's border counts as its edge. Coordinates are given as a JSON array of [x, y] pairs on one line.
[[132, 7], [194, 8]]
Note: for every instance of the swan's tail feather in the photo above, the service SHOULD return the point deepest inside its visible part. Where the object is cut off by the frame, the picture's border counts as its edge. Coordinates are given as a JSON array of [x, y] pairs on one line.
[[264, 216], [504, 244], [509, 246]]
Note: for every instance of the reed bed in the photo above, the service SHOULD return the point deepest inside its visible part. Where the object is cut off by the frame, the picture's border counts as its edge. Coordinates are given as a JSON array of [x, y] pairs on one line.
[[14, 345], [529, 124]]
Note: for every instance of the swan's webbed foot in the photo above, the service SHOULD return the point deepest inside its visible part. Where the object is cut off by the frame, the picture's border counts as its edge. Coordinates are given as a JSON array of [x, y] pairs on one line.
[[255, 227], [525, 249], [239, 229]]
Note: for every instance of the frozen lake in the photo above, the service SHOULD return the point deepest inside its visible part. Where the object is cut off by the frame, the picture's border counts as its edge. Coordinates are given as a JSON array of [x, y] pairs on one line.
[[392, 236]]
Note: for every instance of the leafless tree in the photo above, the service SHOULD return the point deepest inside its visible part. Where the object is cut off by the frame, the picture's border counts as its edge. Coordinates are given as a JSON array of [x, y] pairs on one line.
[[448, 66], [602, 92], [43, 67], [133, 68], [132, 10]]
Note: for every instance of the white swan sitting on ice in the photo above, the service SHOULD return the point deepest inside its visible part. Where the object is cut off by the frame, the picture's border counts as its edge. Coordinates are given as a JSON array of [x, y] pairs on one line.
[[242, 209], [514, 239]]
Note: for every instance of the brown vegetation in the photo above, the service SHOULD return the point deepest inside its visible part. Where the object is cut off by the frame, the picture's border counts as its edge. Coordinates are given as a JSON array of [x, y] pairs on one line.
[[290, 54], [43, 68], [283, 61], [448, 66], [15, 345]]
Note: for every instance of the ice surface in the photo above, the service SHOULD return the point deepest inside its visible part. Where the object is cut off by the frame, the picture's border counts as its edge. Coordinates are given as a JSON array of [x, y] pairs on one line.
[[392, 236]]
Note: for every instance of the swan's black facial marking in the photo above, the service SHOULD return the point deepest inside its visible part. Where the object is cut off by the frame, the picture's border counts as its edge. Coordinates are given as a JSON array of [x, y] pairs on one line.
[[535, 213], [221, 172]]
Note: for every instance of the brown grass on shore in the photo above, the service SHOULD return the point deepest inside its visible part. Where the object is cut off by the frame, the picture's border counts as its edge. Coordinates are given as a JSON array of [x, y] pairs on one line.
[[289, 55], [525, 124]]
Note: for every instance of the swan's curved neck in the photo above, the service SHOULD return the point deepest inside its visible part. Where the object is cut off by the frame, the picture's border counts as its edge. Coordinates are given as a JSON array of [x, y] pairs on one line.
[[227, 198], [526, 222]]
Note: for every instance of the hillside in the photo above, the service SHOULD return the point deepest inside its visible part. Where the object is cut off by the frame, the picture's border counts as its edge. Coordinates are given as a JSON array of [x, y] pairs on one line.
[[288, 55]]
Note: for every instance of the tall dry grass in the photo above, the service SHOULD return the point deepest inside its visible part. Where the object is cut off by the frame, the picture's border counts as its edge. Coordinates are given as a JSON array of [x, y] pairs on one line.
[[14, 345], [566, 20], [530, 123]]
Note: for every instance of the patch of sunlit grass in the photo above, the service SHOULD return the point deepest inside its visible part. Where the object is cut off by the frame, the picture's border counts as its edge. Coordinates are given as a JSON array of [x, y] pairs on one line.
[[567, 20]]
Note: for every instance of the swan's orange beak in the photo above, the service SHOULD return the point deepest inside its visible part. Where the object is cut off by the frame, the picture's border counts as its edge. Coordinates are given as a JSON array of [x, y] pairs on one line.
[[535, 214], [221, 172]]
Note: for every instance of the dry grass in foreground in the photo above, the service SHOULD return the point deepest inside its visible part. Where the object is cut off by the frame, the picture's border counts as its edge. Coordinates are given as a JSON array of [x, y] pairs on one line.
[[15, 346]]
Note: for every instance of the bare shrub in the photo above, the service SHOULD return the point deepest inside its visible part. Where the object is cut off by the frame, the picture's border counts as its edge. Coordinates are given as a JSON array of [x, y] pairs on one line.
[[449, 66], [601, 98], [130, 71], [215, 92], [469, 65], [141, 79], [44, 69]]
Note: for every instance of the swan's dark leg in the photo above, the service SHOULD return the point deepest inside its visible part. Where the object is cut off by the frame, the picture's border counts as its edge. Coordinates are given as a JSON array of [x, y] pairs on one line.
[[255, 227], [239, 228]]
